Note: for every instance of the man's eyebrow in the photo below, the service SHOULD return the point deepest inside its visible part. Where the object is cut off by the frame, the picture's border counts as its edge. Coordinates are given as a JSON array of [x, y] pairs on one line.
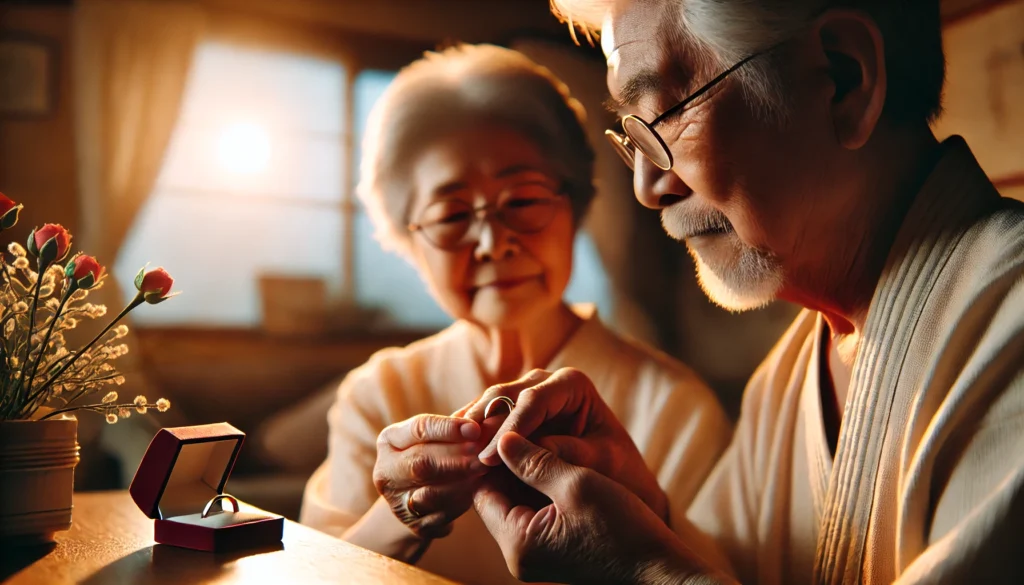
[[636, 87]]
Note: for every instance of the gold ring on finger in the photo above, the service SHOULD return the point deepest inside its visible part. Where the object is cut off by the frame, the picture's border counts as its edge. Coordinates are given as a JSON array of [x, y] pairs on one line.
[[504, 399], [405, 511]]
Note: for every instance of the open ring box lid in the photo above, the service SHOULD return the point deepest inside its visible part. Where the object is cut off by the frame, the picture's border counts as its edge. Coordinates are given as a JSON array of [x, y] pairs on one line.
[[182, 470]]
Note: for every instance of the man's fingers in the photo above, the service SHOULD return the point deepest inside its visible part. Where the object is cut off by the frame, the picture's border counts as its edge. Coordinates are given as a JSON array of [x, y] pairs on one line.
[[537, 467], [564, 394], [570, 449], [511, 390], [491, 504], [505, 521], [428, 428]]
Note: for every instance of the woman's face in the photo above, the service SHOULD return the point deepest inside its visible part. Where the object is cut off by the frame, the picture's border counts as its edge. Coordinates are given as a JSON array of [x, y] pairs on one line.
[[494, 276]]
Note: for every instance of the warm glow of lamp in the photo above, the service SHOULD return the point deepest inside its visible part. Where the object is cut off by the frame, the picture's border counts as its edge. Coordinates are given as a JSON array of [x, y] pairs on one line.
[[244, 148]]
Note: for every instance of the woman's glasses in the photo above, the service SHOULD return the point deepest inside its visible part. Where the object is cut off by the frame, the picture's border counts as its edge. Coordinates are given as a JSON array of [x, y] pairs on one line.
[[525, 208]]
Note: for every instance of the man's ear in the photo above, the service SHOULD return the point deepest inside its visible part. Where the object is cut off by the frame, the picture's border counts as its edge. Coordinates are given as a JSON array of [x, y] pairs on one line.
[[855, 52]]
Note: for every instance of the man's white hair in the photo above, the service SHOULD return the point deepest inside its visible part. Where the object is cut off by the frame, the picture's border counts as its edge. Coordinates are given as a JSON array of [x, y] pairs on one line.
[[723, 32]]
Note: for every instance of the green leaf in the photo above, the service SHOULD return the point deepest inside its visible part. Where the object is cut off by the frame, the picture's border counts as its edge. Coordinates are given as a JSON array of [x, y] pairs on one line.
[[31, 243], [69, 270], [10, 218], [86, 281], [47, 254], [154, 298], [139, 277]]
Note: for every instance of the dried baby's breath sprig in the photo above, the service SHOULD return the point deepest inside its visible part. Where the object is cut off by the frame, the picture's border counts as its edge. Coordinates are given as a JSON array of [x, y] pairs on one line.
[[118, 411]]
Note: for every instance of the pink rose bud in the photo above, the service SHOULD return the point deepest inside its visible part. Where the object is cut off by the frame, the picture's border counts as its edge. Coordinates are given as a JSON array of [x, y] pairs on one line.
[[51, 243], [154, 285], [8, 212], [84, 270]]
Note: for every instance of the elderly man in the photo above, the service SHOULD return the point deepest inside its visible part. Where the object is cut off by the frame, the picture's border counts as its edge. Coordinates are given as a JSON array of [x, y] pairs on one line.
[[882, 440]]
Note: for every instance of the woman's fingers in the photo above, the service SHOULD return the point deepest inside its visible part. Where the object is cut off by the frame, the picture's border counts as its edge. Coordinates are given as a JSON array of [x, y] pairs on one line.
[[430, 510], [424, 465], [428, 428], [451, 500]]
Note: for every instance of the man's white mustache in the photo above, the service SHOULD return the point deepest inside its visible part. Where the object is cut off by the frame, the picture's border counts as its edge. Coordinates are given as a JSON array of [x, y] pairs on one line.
[[684, 220]]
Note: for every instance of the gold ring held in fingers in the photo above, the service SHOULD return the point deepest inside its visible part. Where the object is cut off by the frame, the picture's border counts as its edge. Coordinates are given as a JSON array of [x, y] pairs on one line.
[[217, 498], [504, 399]]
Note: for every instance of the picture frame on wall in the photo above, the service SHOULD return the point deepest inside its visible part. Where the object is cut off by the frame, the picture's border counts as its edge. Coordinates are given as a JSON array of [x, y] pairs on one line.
[[27, 76]]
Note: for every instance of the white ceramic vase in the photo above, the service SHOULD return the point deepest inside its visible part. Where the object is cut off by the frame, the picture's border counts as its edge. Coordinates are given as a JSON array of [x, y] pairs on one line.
[[37, 477]]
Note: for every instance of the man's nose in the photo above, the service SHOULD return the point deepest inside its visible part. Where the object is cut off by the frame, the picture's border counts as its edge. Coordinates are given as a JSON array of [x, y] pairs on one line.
[[655, 188]]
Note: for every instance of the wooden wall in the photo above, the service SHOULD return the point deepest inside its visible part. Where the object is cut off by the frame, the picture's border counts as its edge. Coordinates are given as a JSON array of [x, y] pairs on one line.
[[984, 98], [37, 156]]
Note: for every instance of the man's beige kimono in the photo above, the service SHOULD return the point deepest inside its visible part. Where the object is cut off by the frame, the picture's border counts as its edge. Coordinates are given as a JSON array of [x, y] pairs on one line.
[[927, 484]]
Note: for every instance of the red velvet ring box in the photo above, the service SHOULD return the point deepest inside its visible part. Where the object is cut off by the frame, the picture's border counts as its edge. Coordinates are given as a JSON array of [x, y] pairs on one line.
[[182, 471]]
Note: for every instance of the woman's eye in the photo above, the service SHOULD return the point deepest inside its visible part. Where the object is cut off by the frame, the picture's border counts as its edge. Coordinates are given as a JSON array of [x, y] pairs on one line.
[[453, 217], [520, 203]]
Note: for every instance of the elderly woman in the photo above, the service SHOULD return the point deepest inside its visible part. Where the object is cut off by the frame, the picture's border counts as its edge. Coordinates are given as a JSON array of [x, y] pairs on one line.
[[477, 169]]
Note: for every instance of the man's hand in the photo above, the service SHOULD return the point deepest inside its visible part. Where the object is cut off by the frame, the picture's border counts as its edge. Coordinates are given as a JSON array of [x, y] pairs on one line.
[[592, 531], [563, 412]]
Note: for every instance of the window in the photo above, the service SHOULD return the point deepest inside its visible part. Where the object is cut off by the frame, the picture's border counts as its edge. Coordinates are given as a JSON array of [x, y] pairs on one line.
[[252, 184]]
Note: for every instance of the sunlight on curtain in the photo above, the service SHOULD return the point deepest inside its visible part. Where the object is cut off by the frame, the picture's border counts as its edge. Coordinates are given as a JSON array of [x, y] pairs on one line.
[[251, 184]]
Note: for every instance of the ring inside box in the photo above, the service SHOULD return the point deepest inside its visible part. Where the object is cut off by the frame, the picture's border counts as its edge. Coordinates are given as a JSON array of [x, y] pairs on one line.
[[196, 478], [221, 519], [181, 480]]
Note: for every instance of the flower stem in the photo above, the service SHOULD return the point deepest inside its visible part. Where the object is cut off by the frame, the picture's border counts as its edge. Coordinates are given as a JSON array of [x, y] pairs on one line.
[[71, 288], [31, 325], [138, 300], [96, 408]]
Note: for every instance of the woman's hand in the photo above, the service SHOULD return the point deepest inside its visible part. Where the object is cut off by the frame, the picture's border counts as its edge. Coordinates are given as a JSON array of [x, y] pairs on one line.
[[593, 529], [427, 469], [563, 412]]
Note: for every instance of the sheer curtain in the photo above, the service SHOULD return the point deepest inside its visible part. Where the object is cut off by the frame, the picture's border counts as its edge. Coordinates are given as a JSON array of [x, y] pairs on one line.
[[131, 61]]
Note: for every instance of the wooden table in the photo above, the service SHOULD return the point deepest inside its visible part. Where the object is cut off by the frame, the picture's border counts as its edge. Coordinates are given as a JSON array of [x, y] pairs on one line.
[[111, 541]]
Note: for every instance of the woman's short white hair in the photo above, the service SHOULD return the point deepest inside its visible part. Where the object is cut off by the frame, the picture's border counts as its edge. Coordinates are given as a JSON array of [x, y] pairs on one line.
[[726, 31], [457, 88]]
